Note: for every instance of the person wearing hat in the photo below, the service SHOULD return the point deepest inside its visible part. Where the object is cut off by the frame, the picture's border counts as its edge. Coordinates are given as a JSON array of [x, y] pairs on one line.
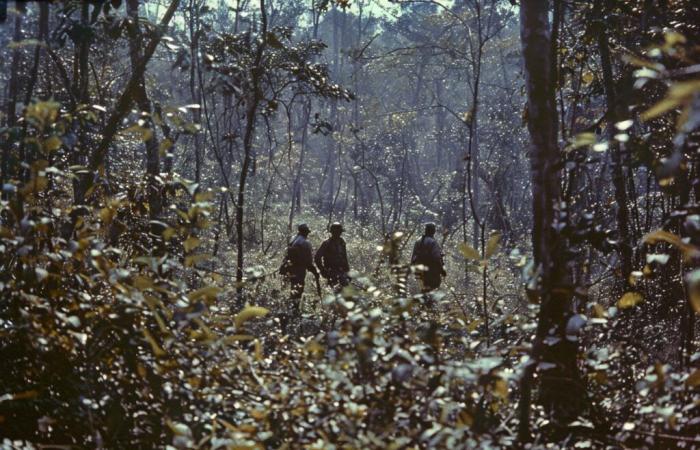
[[332, 258], [427, 252], [298, 260]]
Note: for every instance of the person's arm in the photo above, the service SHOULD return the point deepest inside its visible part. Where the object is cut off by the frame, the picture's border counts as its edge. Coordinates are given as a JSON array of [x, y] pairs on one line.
[[439, 257], [318, 258], [435, 252], [346, 265], [309, 260], [414, 255]]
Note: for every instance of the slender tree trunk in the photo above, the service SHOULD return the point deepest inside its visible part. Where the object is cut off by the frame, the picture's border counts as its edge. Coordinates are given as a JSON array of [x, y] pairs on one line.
[[615, 114], [560, 388], [144, 104], [12, 98], [195, 93], [42, 34], [82, 94], [252, 103], [294, 207], [125, 101]]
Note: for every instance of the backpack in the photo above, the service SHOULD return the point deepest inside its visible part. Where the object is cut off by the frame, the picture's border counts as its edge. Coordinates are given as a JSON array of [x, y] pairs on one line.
[[419, 254], [289, 257]]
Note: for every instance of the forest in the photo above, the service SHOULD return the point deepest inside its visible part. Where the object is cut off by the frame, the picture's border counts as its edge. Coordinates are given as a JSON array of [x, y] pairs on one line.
[[349, 224]]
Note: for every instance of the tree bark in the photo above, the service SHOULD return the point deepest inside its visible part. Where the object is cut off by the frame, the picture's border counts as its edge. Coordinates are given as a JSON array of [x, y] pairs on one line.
[[12, 98], [560, 389], [252, 102], [125, 101], [615, 114], [144, 103]]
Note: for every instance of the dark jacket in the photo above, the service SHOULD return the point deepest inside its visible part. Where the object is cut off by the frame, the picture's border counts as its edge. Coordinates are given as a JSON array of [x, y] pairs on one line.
[[427, 252], [332, 257], [299, 259]]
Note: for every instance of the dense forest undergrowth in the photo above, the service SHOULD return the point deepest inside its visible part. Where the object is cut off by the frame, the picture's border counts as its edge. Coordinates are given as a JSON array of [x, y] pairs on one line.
[[157, 157]]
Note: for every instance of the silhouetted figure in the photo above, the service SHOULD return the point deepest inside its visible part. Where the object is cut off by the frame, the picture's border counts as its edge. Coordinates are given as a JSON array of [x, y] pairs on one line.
[[332, 259], [428, 253], [298, 260]]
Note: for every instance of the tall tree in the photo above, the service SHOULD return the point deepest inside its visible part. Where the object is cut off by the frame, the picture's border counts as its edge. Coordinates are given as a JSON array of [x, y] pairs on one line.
[[252, 103], [560, 388], [144, 103]]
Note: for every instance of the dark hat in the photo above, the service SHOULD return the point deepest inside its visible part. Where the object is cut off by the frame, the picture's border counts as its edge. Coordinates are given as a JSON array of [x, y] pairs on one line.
[[303, 228], [336, 226], [430, 228]]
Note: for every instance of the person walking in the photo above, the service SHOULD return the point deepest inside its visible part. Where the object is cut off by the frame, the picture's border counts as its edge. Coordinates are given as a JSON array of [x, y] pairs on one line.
[[332, 259], [297, 261], [427, 252]]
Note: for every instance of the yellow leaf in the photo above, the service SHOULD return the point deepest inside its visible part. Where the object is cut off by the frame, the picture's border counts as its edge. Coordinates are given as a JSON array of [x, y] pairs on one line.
[[641, 62], [36, 184], [581, 140], [190, 243], [106, 215], [143, 133], [689, 251], [692, 279], [492, 245], [157, 350], [141, 282], [51, 144], [587, 77], [678, 94], [249, 312], [25, 43], [238, 337], [168, 233], [662, 236], [468, 251], [194, 259], [208, 293], [693, 379], [21, 395], [259, 356], [629, 300], [659, 108], [473, 325], [673, 37], [203, 196], [164, 146], [500, 389], [684, 89]]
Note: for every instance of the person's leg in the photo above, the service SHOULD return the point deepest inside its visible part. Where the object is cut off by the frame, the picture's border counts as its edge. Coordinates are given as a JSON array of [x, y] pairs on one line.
[[291, 311], [297, 291], [430, 284], [338, 282]]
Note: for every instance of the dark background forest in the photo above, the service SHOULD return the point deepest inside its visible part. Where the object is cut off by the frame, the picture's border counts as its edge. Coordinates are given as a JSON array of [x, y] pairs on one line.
[[158, 155]]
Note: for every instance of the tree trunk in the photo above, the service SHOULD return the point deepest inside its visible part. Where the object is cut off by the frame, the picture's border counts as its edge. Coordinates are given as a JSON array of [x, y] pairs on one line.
[[12, 99], [253, 101], [195, 93], [97, 158], [144, 104], [615, 114], [560, 389]]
